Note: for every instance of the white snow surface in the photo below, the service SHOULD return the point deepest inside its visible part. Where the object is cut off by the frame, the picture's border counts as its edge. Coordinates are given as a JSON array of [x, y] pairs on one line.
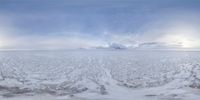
[[99, 75]]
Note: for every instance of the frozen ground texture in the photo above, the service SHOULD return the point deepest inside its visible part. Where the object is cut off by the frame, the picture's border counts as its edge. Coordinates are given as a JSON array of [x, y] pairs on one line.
[[99, 75]]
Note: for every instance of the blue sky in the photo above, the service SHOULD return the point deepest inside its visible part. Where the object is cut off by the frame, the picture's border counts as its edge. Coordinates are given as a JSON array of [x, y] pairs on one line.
[[70, 24]]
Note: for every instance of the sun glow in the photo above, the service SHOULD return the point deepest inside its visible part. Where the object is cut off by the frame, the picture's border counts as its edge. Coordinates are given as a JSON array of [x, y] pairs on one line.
[[3, 42], [182, 37], [184, 41]]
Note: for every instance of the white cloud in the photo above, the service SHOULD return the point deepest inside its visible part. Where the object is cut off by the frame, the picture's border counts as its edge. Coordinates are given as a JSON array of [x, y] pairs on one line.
[[173, 32]]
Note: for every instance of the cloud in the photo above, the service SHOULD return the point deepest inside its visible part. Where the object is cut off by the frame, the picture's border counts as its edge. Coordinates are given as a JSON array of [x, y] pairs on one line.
[[158, 46], [72, 25], [54, 42]]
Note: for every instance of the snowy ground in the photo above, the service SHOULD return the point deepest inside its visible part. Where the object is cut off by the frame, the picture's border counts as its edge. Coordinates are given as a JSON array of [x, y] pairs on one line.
[[99, 75]]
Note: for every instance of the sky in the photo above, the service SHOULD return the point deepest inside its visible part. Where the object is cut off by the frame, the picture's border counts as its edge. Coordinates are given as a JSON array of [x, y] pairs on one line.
[[75, 24]]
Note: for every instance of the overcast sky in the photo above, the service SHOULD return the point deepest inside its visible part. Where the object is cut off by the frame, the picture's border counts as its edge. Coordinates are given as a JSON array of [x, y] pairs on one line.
[[72, 24]]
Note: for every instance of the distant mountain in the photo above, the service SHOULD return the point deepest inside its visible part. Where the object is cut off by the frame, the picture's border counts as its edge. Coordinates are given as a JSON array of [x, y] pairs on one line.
[[112, 46], [117, 46]]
